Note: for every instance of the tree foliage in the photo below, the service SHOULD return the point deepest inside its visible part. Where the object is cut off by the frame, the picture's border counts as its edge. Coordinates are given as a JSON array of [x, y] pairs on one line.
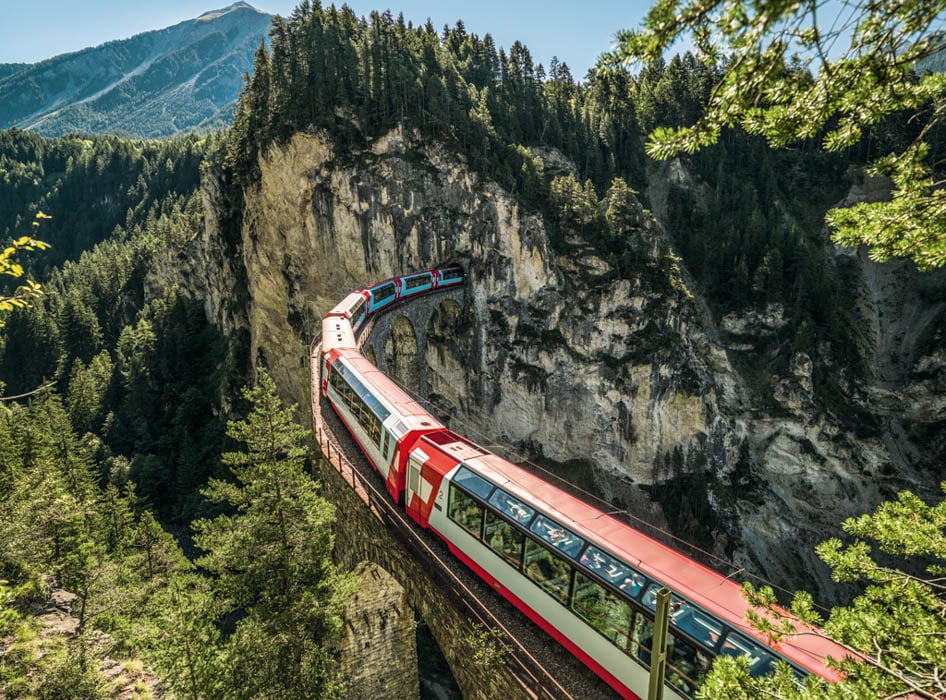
[[327, 70], [21, 295], [767, 87], [895, 630], [271, 558]]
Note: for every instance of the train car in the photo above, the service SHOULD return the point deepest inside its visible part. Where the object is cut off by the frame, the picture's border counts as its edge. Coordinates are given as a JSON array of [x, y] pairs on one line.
[[449, 275], [381, 418], [587, 579], [411, 285], [353, 308], [383, 294]]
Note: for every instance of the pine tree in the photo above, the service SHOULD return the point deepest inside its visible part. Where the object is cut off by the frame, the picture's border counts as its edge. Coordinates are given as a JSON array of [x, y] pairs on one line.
[[272, 558]]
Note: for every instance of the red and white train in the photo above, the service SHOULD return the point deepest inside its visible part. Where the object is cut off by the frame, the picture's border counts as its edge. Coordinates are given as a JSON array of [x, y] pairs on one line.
[[585, 578]]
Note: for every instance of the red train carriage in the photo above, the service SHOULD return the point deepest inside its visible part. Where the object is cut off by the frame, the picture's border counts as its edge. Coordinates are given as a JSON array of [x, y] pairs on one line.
[[587, 579]]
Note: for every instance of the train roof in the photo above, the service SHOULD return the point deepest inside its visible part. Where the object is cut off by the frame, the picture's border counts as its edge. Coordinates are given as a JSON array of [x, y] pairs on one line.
[[337, 333], [343, 307], [412, 414], [699, 584]]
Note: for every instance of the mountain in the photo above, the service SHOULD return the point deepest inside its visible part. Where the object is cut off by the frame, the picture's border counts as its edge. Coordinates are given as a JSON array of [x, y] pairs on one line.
[[11, 68], [157, 83]]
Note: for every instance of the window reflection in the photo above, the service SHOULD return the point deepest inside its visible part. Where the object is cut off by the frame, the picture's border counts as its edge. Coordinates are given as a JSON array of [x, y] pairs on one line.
[[512, 506], [503, 538], [558, 536], [466, 512], [613, 570], [602, 609], [549, 571]]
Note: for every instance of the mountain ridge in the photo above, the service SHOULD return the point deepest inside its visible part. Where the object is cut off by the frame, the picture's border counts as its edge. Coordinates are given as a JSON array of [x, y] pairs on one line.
[[183, 77]]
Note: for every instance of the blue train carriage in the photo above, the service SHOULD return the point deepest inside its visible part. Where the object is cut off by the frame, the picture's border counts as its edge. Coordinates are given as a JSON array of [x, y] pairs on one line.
[[449, 275], [417, 283]]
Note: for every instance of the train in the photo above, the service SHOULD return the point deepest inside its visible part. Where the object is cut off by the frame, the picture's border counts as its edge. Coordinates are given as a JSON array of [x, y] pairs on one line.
[[587, 579]]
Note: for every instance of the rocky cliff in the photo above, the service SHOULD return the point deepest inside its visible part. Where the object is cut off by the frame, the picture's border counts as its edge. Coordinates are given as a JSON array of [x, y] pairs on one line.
[[609, 365]]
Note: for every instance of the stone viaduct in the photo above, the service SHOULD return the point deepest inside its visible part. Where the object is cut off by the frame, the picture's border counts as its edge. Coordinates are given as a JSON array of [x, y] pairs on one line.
[[404, 570]]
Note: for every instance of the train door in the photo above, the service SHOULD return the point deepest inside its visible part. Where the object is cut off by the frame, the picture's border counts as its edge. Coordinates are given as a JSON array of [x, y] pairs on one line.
[[412, 496], [388, 451]]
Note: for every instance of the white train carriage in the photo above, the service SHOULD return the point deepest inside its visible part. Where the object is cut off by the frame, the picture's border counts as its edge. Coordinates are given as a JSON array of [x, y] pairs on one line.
[[378, 414]]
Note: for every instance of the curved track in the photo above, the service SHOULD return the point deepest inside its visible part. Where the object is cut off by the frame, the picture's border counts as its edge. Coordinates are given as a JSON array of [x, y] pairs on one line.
[[543, 667]]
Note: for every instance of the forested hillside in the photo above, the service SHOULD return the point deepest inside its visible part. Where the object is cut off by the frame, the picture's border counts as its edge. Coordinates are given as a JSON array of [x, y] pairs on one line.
[[137, 386], [129, 395], [747, 222]]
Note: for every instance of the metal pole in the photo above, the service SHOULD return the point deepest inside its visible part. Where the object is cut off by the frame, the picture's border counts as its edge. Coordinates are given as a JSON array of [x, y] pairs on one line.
[[658, 653]]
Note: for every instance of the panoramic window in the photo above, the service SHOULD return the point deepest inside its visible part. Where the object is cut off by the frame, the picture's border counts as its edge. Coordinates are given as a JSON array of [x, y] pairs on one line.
[[552, 573], [473, 482], [602, 609], [559, 537], [385, 291], [363, 406], [703, 628], [504, 538], [686, 617], [418, 281], [686, 666], [512, 506], [642, 639], [613, 570], [357, 312], [466, 512], [760, 660]]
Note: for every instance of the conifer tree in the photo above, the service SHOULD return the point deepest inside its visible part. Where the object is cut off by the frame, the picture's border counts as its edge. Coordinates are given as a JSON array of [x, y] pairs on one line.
[[272, 558]]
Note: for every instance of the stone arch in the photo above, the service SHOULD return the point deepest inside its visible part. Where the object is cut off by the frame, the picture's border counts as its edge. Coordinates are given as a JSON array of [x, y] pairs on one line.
[[369, 353], [400, 354], [446, 365]]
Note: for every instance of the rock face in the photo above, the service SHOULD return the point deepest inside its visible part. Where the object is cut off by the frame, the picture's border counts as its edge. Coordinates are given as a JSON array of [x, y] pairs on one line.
[[583, 359]]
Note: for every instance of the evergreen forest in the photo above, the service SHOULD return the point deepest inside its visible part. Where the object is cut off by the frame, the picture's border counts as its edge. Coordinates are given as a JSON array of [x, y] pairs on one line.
[[136, 453]]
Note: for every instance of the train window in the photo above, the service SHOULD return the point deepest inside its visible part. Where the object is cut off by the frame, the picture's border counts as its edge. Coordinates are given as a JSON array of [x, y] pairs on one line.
[[686, 666], [473, 482], [511, 506], [613, 570], [697, 624], [382, 292], [356, 312], [602, 609], [687, 618], [451, 273], [466, 512], [363, 406], [558, 536], [760, 660], [417, 281], [642, 639], [504, 538], [552, 573]]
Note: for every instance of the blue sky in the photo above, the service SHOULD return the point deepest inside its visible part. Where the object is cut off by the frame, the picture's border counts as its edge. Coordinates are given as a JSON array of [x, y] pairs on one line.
[[576, 32]]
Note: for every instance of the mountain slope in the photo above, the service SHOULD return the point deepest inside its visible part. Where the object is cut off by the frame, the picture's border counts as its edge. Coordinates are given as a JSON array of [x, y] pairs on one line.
[[154, 84]]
